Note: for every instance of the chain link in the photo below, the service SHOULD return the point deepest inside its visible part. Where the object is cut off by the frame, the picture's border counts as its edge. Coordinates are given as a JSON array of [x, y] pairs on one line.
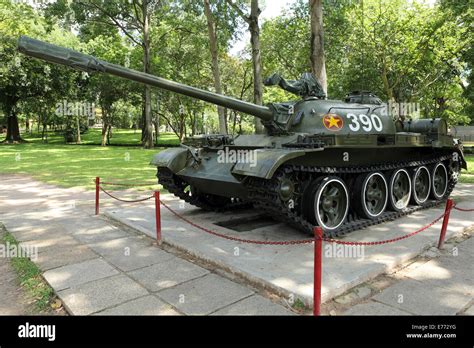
[[125, 200], [463, 209]]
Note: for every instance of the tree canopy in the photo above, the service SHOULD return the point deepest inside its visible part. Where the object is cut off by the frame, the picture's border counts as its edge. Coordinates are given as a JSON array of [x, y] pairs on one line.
[[405, 51]]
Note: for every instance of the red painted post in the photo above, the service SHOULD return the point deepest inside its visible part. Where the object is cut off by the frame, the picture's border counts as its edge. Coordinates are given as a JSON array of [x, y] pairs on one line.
[[447, 211], [318, 261], [158, 217], [97, 190]]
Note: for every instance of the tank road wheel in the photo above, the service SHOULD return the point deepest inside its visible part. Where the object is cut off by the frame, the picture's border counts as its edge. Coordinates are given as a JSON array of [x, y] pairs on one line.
[[329, 202], [421, 185], [400, 190], [371, 195], [439, 181]]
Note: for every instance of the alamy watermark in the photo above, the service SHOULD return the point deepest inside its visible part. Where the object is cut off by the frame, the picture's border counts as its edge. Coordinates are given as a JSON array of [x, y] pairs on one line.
[[334, 250], [237, 156], [8, 250], [402, 109], [66, 108]]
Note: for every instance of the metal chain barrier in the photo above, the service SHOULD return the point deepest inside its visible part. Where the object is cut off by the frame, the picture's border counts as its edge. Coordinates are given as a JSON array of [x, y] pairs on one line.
[[287, 242], [305, 241], [317, 241], [125, 200], [248, 241], [387, 240], [463, 209], [129, 185]]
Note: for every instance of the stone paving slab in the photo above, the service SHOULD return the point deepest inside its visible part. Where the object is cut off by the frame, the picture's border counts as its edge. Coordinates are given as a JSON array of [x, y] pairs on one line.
[[470, 311], [59, 256], [375, 308], [31, 230], [289, 269], [204, 295], [420, 299], [94, 231], [148, 305], [130, 253], [51, 241], [167, 274], [254, 305], [453, 275], [79, 273], [100, 294]]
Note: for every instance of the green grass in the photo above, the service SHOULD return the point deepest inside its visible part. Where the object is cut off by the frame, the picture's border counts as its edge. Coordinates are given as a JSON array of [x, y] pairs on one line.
[[73, 166], [468, 176], [123, 137], [30, 277], [76, 165]]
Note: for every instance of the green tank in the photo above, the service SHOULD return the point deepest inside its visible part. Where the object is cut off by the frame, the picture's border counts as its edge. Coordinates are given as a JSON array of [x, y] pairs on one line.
[[342, 165]]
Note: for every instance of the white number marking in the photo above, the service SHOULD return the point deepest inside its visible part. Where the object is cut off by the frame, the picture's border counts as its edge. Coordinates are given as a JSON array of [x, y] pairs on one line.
[[354, 125], [368, 123]]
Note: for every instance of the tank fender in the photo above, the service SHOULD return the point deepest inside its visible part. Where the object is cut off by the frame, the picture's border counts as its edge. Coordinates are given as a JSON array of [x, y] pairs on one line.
[[267, 161], [173, 158]]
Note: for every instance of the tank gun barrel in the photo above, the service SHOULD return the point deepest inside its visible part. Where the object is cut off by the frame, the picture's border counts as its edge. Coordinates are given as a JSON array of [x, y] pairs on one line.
[[64, 56]]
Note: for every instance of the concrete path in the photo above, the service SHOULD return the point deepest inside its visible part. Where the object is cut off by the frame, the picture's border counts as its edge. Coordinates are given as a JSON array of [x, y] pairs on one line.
[[288, 269], [443, 285], [98, 268]]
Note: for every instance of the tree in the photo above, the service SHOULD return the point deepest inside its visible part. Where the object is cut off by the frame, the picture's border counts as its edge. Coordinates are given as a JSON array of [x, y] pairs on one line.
[[318, 61], [134, 19], [254, 29], [106, 89], [211, 27], [25, 79]]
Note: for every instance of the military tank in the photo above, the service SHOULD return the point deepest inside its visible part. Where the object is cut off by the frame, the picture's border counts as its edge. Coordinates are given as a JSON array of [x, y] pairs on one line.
[[341, 165]]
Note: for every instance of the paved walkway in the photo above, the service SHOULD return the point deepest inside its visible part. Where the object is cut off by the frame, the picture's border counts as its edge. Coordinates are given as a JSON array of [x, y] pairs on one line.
[[443, 285], [98, 268]]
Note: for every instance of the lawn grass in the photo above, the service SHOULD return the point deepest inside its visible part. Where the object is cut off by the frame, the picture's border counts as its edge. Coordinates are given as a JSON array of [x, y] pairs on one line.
[[468, 176], [77, 166], [122, 137], [29, 276]]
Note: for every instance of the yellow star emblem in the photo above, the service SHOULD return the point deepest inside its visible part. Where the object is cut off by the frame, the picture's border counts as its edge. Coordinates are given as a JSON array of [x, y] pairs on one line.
[[333, 122]]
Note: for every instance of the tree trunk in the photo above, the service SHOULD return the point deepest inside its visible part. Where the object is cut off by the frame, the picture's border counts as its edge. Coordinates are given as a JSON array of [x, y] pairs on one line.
[[318, 63], [148, 127], [109, 133], [78, 125], [104, 127], [256, 60], [44, 135], [215, 63], [104, 135], [13, 130]]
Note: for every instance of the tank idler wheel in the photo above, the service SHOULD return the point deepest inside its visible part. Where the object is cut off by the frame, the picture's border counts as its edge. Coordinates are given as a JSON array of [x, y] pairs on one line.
[[421, 185], [371, 195], [327, 201], [439, 181], [399, 189]]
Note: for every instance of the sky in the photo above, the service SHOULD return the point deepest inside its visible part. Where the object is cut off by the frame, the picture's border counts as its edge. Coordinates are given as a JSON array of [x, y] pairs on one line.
[[270, 9]]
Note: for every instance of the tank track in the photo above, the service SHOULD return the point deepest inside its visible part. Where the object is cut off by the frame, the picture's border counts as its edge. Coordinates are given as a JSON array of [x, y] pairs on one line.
[[170, 182], [264, 195]]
